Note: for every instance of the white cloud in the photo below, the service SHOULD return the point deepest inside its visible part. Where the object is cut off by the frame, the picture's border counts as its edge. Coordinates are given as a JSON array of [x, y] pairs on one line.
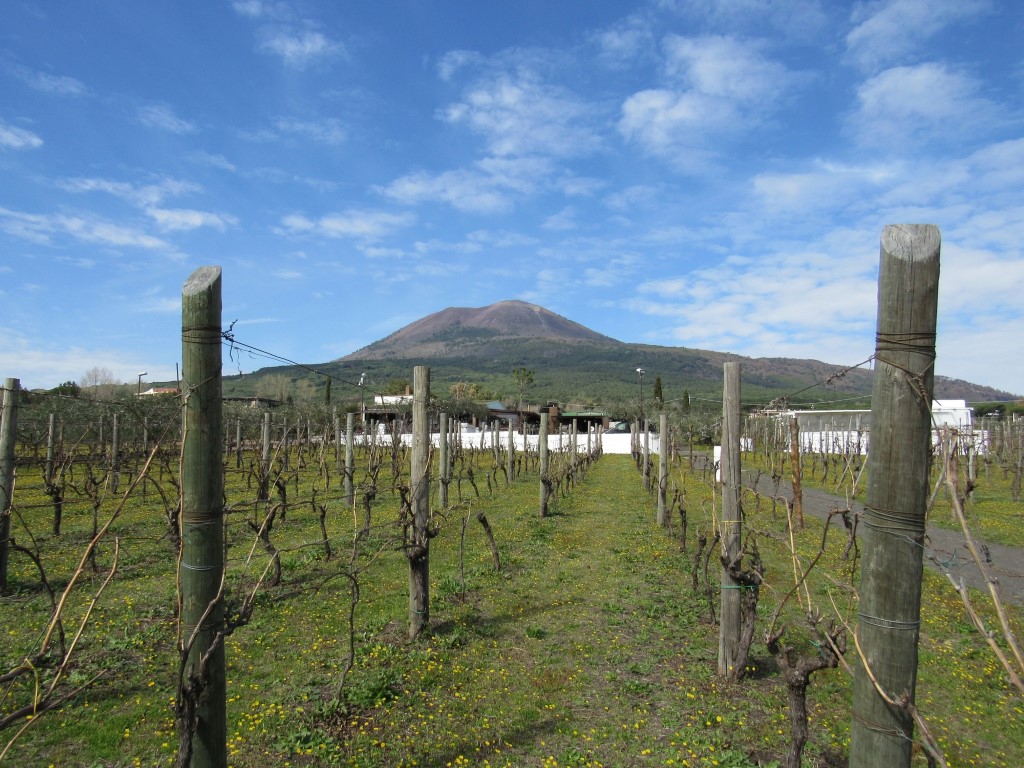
[[162, 116], [922, 103], [889, 32], [520, 115], [43, 228], [300, 48], [329, 131], [175, 219], [60, 85], [715, 87], [353, 223], [563, 220], [13, 137], [465, 190]]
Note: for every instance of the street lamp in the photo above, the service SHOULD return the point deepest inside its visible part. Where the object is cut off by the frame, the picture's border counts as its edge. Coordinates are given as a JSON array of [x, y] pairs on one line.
[[641, 373], [143, 373]]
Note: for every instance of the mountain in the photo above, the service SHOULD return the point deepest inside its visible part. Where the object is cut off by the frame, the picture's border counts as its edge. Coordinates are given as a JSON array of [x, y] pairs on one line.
[[464, 331], [573, 364]]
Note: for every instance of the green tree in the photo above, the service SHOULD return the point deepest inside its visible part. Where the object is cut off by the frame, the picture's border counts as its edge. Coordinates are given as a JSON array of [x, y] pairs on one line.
[[659, 398], [523, 377], [68, 389]]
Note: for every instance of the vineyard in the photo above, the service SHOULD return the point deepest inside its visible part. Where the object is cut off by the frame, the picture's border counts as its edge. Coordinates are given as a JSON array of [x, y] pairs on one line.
[[190, 582], [585, 637]]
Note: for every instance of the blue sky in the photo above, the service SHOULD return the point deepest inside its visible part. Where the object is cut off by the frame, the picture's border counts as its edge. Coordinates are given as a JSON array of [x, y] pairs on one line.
[[702, 173]]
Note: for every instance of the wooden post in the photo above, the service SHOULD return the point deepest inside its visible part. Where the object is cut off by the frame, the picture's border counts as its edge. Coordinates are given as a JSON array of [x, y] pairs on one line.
[[337, 440], [286, 444], [663, 470], [442, 481], [264, 489], [647, 454], [201, 565], [542, 449], [8, 440], [510, 458], [350, 462], [731, 524], [794, 461], [51, 438], [418, 545], [115, 455], [238, 443], [889, 616]]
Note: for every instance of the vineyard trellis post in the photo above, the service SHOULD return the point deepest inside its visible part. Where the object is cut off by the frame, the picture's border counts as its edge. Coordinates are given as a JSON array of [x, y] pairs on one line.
[[201, 564], [350, 461], [797, 473], [542, 450], [730, 524], [442, 481], [889, 615], [8, 439], [663, 445], [418, 544]]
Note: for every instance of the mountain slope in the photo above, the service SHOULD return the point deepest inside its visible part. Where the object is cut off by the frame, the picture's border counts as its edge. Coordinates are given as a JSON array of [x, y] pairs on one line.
[[462, 331], [573, 364]]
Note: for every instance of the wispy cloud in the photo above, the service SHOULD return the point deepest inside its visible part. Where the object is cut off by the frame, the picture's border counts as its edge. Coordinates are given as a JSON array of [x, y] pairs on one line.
[[518, 114], [889, 32], [177, 219], [60, 85], [328, 131], [715, 87], [13, 137], [353, 223], [44, 228], [300, 48], [162, 116], [923, 103]]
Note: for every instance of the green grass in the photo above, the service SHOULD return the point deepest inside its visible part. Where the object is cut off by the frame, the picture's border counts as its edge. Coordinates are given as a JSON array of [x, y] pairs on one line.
[[588, 649]]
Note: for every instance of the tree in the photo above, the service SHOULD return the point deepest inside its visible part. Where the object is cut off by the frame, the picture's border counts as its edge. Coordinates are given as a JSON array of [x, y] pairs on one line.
[[67, 389], [274, 386], [659, 398], [523, 377], [99, 382], [396, 386]]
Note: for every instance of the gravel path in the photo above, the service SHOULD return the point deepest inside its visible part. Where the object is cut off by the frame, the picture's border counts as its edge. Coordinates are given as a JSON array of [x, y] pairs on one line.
[[943, 546]]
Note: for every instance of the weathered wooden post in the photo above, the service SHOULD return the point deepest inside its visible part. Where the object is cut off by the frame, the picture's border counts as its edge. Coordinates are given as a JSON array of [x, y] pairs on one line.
[[115, 454], [731, 524], [794, 462], [238, 443], [201, 624], [542, 449], [418, 545], [337, 440], [442, 481], [350, 461], [51, 438], [647, 454], [663, 444], [889, 616], [8, 440], [286, 444], [264, 489], [510, 458]]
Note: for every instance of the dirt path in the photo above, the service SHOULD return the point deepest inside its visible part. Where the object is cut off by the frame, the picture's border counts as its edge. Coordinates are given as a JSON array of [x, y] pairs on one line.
[[946, 550]]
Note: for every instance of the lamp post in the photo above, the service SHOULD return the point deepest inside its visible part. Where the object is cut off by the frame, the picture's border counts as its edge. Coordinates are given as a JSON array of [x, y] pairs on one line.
[[143, 373], [641, 372], [362, 400]]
